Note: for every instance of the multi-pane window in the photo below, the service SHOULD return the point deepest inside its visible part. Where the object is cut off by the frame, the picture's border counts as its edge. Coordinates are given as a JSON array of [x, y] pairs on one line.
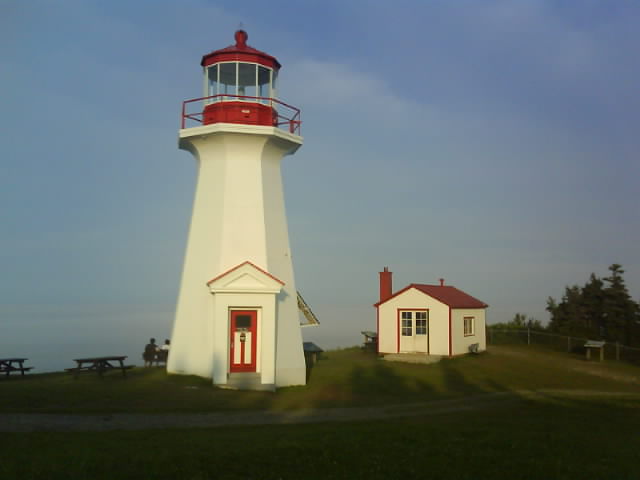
[[421, 323], [407, 324], [240, 79], [421, 318], [469, 328]]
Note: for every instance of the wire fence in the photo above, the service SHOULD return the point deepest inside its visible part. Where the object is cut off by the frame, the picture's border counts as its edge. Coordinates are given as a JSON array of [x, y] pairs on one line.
[[526, 336]]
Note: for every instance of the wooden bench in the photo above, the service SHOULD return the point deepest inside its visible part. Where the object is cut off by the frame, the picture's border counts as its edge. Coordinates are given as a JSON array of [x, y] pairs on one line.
[[161, 356]]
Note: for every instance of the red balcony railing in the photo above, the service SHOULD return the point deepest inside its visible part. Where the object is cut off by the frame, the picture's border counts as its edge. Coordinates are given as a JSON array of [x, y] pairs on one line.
[[285, 116]]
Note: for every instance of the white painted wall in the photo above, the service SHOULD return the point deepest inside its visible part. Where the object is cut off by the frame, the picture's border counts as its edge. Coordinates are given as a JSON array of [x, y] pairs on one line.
[[290, 364], [238, 215], [461, 343]]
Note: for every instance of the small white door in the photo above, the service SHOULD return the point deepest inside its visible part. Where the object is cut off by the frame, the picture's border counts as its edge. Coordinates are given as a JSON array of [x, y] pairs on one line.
[[414, 331]]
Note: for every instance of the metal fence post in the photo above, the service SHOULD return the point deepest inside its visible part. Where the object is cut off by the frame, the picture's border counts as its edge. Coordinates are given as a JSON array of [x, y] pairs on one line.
[[617, 350], [528, 336]]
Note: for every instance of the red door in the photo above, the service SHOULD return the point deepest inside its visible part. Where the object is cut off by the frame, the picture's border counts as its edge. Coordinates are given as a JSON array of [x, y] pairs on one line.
[[243, 340]]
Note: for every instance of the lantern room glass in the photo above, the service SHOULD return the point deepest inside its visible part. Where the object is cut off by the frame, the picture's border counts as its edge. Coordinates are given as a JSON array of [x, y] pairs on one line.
[[264, 83], [247, 80], [212, 78], [228, 79], [231, 80]]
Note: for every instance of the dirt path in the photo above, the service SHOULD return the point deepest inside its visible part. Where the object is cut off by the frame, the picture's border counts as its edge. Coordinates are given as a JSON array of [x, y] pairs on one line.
[[34, 422]]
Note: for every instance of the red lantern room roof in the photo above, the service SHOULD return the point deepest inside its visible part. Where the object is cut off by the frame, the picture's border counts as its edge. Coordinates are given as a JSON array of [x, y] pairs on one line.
[[240, 52]]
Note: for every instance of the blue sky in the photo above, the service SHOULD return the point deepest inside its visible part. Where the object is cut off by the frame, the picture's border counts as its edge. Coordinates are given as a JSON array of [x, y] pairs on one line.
[[492, 143]]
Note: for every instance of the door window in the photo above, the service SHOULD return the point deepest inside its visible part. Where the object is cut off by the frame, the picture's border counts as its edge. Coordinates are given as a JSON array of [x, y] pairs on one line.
[[407, 327], [243, 321], [421, 323]]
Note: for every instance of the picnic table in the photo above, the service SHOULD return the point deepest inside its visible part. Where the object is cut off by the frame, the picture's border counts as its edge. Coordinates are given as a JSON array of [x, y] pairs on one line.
[[99, 365], [10, 365]]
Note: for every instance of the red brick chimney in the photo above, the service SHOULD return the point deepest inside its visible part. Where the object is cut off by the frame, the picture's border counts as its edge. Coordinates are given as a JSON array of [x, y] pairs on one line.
[[386, 287], [442, 282]]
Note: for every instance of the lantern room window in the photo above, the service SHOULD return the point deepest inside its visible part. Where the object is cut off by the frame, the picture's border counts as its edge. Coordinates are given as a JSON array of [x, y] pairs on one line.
[[231, 80], [264, 82], [247, 80], [212, 81], [227, 78]]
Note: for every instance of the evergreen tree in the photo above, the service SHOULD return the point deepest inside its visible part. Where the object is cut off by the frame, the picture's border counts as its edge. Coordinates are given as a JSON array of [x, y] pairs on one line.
[[592, 306], [568, 317], [620, 310], [597, 311]]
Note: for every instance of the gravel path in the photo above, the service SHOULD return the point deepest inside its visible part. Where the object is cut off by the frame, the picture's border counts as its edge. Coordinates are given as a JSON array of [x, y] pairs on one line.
[[35, 422]]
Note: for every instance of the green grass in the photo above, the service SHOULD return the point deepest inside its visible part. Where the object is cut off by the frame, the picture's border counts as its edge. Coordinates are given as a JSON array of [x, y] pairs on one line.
[[525, 440], [343, 378], [514, 437]]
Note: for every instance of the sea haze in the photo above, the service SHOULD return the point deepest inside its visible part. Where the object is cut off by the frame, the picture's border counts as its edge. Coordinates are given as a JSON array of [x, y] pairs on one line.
[[51, 336]]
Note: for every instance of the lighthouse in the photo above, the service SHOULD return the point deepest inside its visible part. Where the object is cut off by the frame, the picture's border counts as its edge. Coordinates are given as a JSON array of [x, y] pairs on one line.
[[236, 318]]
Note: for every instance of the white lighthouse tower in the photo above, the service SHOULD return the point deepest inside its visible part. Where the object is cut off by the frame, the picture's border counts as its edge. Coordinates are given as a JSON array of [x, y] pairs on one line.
[[237, 313]]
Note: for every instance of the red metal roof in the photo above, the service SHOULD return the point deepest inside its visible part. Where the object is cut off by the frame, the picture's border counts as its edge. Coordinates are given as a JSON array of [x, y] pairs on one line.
[[450, 295], [240, 52], [447, 294]]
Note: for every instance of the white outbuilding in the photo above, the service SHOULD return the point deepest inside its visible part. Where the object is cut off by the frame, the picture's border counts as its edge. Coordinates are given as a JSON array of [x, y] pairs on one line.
[[428, 319]]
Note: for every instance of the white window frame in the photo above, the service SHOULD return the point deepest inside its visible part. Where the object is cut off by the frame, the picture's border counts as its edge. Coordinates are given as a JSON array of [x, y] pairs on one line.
[[406, 323], [425, 319], [409, 322], [469, 326]]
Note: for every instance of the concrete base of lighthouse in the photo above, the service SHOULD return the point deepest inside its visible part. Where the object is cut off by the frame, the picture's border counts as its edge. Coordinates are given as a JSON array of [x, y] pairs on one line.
[[237, 314]]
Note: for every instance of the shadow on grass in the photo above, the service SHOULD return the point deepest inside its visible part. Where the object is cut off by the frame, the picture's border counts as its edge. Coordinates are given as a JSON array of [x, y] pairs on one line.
[[396, 383], [345, 378], [382, 380], [455, 382]]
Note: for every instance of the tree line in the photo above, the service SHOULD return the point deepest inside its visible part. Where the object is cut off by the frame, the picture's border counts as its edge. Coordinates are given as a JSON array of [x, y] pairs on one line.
[[601, 309]]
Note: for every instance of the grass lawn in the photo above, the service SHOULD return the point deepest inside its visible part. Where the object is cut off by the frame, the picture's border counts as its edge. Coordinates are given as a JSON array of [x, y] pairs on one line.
[[545, 436], [525, 440], [343, 378]]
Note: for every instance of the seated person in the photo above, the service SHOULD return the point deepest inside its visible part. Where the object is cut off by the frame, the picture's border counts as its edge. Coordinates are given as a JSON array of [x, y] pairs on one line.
[[150, 351], [163, 352]]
